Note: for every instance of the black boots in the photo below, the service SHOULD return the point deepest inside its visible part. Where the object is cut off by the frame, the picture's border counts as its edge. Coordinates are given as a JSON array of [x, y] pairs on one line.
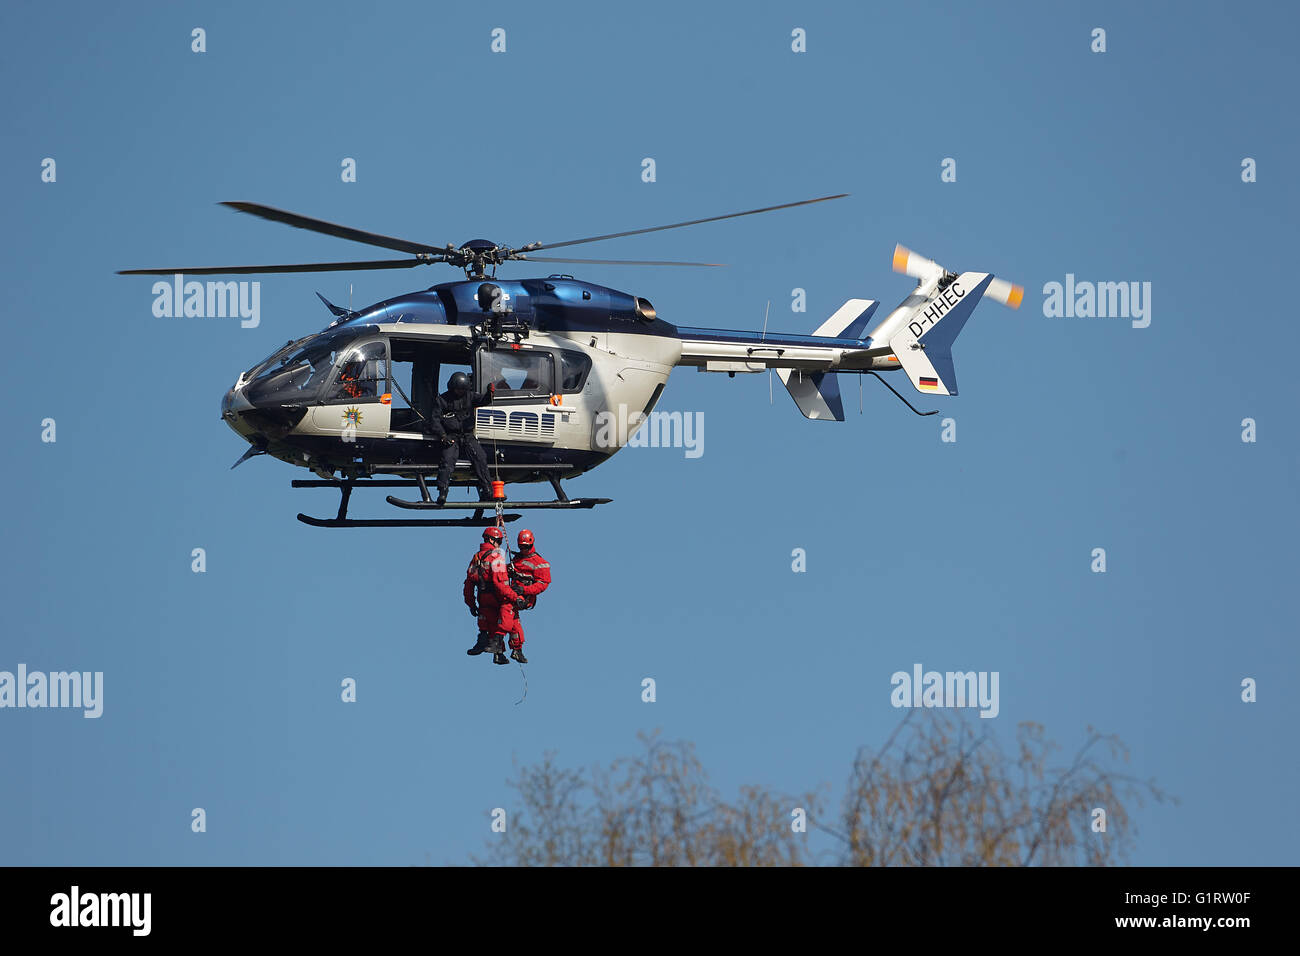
[[518, 654], [495, 645]]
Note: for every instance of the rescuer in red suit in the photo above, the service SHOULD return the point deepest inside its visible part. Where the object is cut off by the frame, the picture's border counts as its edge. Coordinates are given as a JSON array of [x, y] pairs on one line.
[[531, 575], [489, 596]]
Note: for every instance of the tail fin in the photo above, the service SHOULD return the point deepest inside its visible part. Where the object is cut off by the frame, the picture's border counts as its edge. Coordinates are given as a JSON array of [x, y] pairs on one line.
[[818, 393], [923, 345], [922, 329]]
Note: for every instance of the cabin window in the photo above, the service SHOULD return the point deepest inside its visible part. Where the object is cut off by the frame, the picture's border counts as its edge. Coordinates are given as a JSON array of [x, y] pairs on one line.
[[517, 373], [574, 367]]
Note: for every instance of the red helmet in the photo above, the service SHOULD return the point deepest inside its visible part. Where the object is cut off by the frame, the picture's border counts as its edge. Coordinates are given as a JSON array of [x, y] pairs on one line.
[[494, 534], [525, 540]]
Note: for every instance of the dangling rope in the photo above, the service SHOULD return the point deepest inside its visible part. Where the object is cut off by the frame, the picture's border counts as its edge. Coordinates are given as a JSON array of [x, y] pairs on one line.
[[524, 675], [496, 472], [496, 466]]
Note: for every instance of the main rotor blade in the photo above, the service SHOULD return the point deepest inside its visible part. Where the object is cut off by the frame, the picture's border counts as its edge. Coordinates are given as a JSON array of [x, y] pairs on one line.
[[676, 225], [618, 262], [304, 267], [331, 229]]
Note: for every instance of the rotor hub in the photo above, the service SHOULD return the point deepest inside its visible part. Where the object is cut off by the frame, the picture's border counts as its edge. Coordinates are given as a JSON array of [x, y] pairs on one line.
[[478, 254]]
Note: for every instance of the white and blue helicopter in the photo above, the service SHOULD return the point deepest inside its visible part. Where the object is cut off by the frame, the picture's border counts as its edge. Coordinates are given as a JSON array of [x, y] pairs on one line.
[[349, 402]]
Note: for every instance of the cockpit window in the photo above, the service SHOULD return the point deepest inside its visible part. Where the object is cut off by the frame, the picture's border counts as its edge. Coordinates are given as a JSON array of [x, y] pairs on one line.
[[298, 375], [363, 373], [275, 356]]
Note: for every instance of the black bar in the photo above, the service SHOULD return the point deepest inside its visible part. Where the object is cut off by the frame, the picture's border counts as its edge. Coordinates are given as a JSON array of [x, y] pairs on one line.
[[566, 505], [464, 466], [932, 909], [360, 483], [476, 522]]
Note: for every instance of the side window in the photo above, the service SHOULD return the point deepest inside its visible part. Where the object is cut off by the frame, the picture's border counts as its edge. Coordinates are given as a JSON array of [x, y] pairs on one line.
[[574, 367], [362, 374], [517, 373]]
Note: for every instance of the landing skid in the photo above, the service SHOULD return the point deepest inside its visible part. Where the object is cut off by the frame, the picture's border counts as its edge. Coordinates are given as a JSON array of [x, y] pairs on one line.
[[404, 522], [562, 501], [569, 504], [484, 512]]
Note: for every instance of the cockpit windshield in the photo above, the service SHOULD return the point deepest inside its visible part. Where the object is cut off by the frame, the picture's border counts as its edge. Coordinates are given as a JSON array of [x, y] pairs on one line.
[[297, 372], [275, 356]]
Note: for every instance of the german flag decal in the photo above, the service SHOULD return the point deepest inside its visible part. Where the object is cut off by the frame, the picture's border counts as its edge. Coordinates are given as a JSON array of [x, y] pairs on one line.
[[931, 384]]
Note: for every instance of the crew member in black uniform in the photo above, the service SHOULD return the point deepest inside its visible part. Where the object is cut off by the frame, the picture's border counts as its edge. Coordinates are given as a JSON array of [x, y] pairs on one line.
[[453, 425]]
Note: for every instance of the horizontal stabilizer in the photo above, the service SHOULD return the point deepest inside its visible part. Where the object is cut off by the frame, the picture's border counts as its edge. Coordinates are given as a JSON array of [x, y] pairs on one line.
[[818, 393]]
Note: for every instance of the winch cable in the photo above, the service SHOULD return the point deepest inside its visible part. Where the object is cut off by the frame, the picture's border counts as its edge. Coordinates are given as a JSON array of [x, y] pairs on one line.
[[505, 544]]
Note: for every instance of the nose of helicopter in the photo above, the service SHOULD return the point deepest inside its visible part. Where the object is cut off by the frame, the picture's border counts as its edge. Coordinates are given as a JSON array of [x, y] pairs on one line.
[[234, 409], [259, 419]]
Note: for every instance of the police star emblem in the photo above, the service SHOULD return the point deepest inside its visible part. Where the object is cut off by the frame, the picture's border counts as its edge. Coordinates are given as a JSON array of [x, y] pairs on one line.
[[352, 416]]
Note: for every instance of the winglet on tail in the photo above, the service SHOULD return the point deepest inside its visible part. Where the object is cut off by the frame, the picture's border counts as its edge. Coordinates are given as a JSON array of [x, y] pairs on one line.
[[850, 320]]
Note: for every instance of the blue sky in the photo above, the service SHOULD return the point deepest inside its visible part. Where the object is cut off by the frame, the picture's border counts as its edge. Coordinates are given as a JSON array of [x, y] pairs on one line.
[[222, 688]]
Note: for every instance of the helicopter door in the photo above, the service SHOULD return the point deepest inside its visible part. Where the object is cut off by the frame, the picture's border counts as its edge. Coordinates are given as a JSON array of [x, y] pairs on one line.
[[357, 399]]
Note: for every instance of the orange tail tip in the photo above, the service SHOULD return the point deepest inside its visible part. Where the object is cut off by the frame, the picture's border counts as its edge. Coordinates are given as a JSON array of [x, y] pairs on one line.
[[901, 253]]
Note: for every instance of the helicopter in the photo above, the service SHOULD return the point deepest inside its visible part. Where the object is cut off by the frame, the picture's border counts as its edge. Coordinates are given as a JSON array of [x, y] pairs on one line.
[[563, 355]]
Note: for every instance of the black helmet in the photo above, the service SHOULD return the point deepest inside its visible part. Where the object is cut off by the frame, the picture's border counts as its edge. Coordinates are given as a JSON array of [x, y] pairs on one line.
[[458, 383]]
